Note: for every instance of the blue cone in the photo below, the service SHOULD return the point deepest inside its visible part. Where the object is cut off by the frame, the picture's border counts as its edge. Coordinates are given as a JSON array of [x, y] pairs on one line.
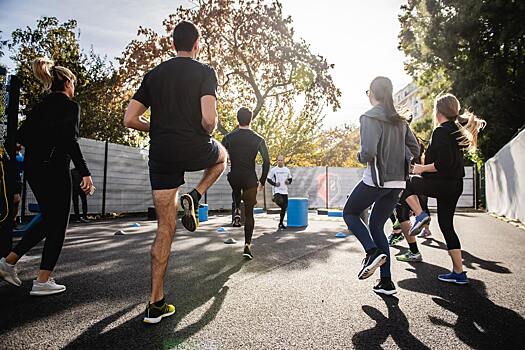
[[135, 225], [340, 235], [221, 230]]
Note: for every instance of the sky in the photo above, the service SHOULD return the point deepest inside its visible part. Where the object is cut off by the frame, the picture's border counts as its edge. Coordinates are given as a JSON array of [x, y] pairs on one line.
[[358, 36]]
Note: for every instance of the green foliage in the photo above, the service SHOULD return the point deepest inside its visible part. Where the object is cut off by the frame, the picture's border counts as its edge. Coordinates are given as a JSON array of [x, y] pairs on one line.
[[476, 50], [101, 112]]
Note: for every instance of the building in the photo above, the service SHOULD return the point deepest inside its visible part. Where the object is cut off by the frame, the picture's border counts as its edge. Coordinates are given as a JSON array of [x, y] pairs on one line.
[[408, 97]]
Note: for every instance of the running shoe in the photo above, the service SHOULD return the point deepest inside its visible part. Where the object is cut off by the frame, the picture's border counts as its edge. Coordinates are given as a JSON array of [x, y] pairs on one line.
[[237, 218], [421, 220], [155, 314], [410, 257], [385, 287], [190, 219], [425, 233], [282, 227], [8, 273], [370, 263], [396, 226], [46, 288], [394, 239], [247, 252], [452, 277]]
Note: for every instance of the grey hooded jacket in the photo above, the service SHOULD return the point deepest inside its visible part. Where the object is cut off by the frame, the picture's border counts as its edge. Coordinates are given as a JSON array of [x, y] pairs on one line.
[[387, 146]]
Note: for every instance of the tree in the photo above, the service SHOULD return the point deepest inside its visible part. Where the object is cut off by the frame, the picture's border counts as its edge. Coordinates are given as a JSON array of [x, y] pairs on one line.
[[101, 113], [338, 147], [476, 50], [259, 62]]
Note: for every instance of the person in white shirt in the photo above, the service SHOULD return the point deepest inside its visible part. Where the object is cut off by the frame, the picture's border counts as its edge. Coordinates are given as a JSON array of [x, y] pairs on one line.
[[280, 177]]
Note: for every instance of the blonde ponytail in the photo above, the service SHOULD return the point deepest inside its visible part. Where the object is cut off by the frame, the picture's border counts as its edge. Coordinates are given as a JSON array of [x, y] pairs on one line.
[[42, 71], [469, 125], [52, 77]]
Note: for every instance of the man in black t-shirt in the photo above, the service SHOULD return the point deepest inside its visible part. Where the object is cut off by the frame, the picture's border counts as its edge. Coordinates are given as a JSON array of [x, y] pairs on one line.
[[243, 144], [181, 93]]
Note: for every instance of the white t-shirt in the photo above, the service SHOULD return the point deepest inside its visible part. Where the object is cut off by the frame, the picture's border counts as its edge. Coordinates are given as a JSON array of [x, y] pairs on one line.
[[280, 175]]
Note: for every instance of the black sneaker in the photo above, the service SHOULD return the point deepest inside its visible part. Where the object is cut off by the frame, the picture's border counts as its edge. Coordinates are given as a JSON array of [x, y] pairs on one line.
[[154, 314], [370, 263], [237, 218], [282, 227], [385, 287], [190, 204], [247, 252]]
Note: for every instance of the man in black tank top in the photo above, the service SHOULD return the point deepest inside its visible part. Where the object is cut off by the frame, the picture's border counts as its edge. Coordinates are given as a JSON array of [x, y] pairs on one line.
[[243, 144]]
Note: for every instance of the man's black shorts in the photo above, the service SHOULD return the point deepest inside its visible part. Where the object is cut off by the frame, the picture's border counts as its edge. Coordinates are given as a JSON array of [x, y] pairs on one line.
[[164, 175]]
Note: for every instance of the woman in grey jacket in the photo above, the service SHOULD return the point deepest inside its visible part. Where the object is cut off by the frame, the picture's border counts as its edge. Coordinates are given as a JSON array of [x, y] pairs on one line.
[[387, 146]]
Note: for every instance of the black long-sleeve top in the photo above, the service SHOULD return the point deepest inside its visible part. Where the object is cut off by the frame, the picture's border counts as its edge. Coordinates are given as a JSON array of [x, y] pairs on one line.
[[50, 133], [243, 146], [445, 152]]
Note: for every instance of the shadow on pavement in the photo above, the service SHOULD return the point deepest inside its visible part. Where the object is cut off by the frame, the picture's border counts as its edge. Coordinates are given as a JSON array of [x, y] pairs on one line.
[[480, 323], [394, 325], [469, 260]]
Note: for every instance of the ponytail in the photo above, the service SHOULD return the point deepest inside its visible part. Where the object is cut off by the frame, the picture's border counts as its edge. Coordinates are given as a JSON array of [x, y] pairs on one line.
[[469, 125], [50, 76], [42, 71]]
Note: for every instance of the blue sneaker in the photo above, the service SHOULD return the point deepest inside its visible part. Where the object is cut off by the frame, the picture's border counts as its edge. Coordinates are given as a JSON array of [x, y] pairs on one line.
[[421, 220], [452, 277]]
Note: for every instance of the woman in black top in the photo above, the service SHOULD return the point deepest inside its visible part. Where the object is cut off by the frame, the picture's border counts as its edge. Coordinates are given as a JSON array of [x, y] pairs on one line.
[[442, 175], [50, 135]]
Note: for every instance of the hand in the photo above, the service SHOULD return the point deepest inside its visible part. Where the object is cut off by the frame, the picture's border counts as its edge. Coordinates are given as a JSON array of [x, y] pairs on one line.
[[87, 184], [418, 169], [260, 188], [277, 184], [286, 182]]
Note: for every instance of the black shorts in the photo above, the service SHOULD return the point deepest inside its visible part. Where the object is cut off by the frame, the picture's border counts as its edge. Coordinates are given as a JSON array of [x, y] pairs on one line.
[[281, 200], [170, 175]]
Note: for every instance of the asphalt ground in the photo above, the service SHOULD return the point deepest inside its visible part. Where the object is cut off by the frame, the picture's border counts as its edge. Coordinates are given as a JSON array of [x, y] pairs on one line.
[[300, 292]]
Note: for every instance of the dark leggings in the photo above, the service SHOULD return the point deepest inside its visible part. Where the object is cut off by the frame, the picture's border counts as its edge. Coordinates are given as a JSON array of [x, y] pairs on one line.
[[83, 198], [282, 201], [249, 197], [51, 186], [403, 210], [447, 193], [373, 236]]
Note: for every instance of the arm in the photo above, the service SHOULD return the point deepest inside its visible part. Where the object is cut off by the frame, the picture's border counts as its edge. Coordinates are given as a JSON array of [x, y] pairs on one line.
[[270, 180], [428, 168], [370, 132], [441, 142], [134, 119], [289, 180], [263, 150], [210, 118], [69, 137], [411, 143]]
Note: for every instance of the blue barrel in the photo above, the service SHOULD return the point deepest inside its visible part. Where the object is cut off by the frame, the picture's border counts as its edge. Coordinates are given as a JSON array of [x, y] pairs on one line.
[[297, 212], [203, 212]]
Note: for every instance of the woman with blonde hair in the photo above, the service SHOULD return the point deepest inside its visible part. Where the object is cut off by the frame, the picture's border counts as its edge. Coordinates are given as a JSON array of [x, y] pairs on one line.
[[49, 135], [441, 176], [387, 147]]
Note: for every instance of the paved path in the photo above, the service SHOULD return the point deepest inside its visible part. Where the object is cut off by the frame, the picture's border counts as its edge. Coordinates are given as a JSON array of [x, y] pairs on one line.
[[300, 292]]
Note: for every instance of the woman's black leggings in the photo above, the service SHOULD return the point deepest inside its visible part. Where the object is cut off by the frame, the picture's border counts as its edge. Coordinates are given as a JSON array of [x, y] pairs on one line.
[[447, 193], [51, 185]]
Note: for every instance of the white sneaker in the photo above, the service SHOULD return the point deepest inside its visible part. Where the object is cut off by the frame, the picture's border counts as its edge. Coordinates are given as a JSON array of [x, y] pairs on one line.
[[8, 273], [47, 288]]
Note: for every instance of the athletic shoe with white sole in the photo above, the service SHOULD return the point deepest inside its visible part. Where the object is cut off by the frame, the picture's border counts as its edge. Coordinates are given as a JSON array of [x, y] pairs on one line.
[[8, 273], [46, 288], [190, 219], [371, 262], [421, 220], [453, 277], [410, 257], [385, 287], [394, 239], [155, 314], [247, 252], [425, 233]]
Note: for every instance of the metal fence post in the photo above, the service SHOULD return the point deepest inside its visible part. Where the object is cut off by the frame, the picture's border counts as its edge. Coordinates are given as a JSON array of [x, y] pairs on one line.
[[105, 178], [327, 184]]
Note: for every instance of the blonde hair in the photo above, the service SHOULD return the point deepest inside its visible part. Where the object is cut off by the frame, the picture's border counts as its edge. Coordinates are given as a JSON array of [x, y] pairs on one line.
[[468, 123], [52, 77], [382, 89]]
